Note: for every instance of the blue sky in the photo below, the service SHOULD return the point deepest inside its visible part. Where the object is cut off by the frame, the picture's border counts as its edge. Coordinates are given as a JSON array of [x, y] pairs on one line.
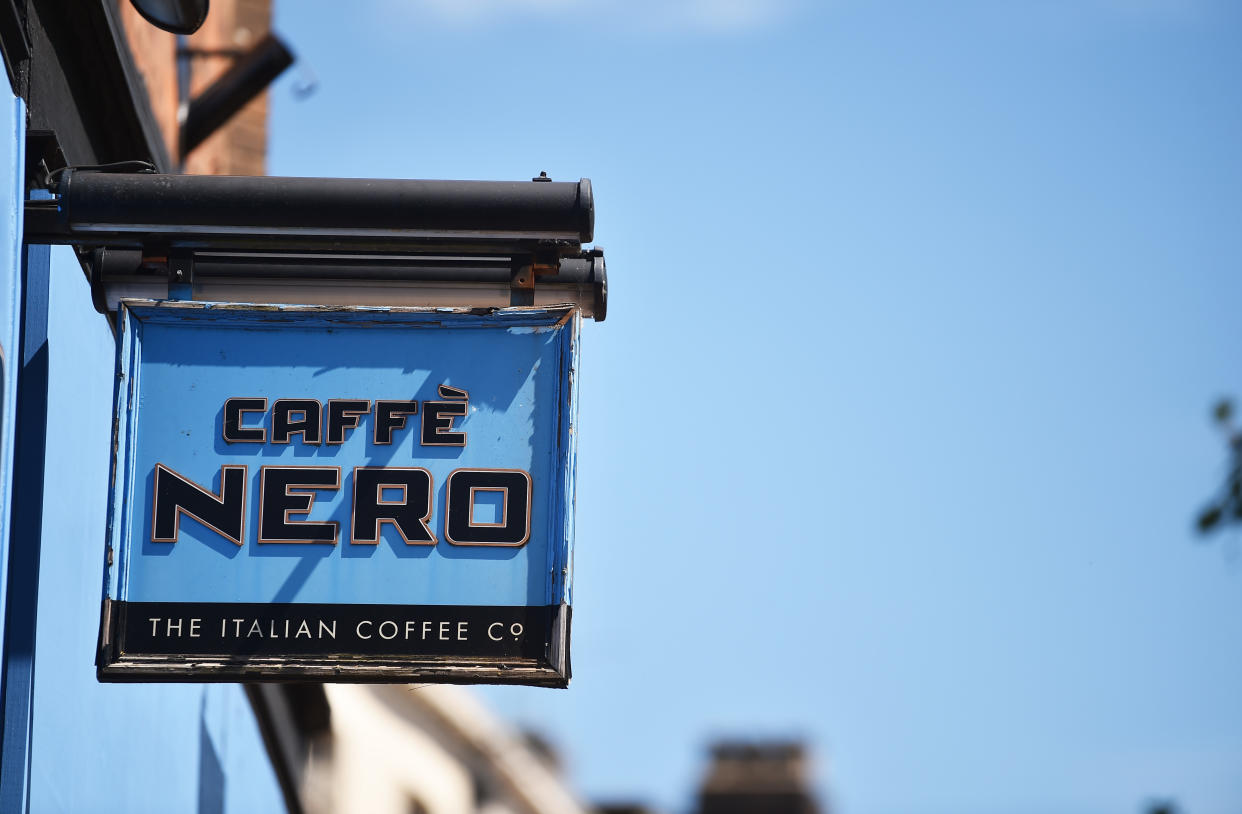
[[897, 427]]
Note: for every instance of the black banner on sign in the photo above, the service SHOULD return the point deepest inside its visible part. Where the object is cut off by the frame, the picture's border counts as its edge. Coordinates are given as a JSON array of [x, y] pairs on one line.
[[230, 641], [228, 630]]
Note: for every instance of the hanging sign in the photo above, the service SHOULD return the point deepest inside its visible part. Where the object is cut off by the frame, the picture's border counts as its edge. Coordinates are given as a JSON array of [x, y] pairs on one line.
[[362, 494]]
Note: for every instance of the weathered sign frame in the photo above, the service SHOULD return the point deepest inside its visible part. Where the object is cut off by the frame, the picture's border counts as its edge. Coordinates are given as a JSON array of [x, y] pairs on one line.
[[537, 655]]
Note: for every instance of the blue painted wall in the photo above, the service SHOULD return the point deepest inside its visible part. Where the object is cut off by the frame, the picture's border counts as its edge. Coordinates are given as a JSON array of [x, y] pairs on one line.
[[14, 660], [12, 139], [114, 747], [72, 744]]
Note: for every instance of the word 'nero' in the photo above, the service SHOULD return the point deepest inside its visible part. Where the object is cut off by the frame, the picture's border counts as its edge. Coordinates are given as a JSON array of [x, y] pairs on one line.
[[398, 496]]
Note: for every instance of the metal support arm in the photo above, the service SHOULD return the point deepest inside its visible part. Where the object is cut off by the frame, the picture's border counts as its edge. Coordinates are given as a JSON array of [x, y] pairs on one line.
[[328, 240], [144, 210]]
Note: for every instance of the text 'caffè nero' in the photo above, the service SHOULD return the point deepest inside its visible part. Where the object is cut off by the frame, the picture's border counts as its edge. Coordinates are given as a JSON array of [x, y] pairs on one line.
[[482, 506]]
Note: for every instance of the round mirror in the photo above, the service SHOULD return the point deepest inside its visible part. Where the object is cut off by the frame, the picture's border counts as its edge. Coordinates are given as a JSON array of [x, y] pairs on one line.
[[177, 16]]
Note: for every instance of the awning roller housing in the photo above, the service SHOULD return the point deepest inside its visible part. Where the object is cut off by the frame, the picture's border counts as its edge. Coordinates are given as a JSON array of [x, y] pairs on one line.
[[350, 241]]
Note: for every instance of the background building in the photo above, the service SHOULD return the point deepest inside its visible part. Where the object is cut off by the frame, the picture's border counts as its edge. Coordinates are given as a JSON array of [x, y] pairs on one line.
[[176, 69], [434, 750], [752, 777]]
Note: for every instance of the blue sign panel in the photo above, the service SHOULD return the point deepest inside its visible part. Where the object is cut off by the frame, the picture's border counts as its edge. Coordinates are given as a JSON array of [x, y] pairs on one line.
[[343, 493]]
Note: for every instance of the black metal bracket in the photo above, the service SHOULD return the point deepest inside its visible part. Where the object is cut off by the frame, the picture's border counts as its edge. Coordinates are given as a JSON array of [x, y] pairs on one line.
[[14, 43], [43, 157], [525, 270], [251, 72], [181, 267]]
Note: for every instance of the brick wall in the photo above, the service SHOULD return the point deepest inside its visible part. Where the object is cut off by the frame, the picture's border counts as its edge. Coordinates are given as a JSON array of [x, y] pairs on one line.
[[240, 146]]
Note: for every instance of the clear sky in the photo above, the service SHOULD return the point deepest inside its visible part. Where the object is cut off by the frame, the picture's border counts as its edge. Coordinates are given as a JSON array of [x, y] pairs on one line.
[[895, 433]]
